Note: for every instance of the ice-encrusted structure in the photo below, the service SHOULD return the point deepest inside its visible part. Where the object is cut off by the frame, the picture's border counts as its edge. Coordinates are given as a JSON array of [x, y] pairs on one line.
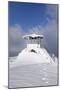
[[33, 53]]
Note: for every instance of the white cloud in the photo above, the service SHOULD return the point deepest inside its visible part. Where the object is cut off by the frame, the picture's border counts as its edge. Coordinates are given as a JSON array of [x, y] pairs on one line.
[[16, 42], [51, 37], [52, 10]]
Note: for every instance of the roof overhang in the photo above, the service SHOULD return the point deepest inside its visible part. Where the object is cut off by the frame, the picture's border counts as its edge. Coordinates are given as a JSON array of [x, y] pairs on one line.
[[33, 36]]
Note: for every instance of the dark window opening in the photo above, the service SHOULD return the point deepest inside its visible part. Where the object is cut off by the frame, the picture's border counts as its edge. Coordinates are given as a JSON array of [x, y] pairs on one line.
[[32, 50]]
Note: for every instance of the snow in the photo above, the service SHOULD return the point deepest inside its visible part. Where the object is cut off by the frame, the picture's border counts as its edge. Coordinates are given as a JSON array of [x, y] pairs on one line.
[[31, 69], [27, 57], [33, 35], [33, 75]]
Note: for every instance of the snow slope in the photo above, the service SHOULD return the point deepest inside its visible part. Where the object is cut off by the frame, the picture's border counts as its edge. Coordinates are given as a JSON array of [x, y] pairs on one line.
[[27, 57], [33, 75], [31, 69]]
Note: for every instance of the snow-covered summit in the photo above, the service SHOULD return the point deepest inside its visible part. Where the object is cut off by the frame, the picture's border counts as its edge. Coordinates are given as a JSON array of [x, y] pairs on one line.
[[33, 53], [33, 56], [33, 66]]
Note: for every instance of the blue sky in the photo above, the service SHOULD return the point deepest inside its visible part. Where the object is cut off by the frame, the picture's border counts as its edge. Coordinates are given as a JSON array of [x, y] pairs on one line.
[[27, 14], [26, 18]]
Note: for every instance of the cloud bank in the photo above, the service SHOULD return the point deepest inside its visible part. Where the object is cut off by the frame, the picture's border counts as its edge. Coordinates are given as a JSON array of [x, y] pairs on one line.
[[16, 42]]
